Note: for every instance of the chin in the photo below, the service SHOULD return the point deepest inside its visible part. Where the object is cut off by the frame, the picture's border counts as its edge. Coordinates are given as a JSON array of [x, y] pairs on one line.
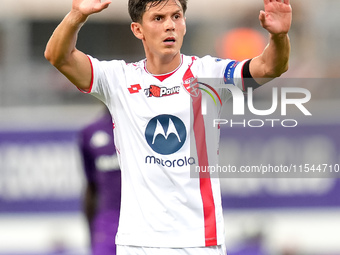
[[171, 51]]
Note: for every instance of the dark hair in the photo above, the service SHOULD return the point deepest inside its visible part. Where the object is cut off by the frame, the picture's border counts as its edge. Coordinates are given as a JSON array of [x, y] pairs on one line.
[[138, 7]]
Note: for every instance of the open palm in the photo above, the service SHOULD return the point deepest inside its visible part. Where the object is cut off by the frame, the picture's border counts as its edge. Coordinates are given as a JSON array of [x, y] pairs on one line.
[[276, 17], [88, 7]]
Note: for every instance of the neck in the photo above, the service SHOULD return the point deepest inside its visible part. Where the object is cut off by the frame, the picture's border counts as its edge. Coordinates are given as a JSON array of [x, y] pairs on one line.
[[164, 65]]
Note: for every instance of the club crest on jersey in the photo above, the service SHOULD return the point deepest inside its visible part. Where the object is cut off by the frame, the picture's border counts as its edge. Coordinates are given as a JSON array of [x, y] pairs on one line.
[[156, 91], [192, 87]]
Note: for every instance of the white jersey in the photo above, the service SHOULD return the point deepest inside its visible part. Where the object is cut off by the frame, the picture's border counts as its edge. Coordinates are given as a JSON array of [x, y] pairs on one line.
[[158, 128]]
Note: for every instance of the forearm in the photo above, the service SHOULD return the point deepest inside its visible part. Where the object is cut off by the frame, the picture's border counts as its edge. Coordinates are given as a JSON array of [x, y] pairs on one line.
[[276, 55], [63, 40], [273, 61]]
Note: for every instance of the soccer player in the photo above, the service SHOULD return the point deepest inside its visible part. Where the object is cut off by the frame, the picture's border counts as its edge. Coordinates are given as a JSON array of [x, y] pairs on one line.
[[102, 195], [160, 132]]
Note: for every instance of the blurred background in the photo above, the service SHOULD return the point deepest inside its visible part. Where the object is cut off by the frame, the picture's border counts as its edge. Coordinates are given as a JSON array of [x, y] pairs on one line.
[[41, 180]]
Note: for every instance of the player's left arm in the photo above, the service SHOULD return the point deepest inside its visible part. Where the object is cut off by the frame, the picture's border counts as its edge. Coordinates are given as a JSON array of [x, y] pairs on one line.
[[276, 19]]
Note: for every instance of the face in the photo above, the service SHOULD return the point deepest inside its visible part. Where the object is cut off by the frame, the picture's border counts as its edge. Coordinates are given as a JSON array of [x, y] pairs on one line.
[[162, 29]]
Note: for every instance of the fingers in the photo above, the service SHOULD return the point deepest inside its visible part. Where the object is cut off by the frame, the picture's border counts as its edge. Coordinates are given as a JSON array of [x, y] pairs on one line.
[[106, 4], [280, 1], [101, 6], [262, 16]]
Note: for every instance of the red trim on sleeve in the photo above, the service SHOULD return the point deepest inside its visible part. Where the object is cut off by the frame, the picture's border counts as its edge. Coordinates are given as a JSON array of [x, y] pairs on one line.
[[91, 84]]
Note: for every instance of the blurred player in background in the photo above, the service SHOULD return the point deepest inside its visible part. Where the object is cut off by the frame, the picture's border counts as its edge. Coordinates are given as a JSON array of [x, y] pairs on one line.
[[160, 131], [102, 194]]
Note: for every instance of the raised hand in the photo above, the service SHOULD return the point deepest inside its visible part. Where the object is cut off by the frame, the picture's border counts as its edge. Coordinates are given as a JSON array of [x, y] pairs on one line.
[[88, 7], [276, 17]]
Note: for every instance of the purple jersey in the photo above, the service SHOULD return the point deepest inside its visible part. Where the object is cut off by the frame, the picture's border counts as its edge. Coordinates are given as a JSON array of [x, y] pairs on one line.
[[102, 170]]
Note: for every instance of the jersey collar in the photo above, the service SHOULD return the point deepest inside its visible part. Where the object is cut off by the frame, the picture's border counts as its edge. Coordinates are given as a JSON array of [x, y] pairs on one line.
[[162, 77]]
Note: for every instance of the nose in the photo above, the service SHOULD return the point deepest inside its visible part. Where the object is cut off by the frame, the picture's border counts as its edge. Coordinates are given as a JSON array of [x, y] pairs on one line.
[[169, 24]]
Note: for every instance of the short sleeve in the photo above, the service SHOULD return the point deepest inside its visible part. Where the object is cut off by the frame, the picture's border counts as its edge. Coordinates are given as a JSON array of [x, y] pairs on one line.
[[229, 71], [105, 76], [233, 74]]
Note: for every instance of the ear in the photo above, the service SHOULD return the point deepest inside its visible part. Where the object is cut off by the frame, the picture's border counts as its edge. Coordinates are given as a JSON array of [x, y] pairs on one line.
[[137, 30]]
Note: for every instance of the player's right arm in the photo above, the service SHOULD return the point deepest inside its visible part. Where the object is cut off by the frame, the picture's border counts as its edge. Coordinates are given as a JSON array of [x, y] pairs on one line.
[[61, 49]]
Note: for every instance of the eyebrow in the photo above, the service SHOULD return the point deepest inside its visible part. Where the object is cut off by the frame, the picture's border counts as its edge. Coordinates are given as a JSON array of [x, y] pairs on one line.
[[159, 13]]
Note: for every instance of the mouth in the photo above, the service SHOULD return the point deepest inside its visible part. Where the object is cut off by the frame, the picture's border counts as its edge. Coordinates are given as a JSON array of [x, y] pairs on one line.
[[169, 40]]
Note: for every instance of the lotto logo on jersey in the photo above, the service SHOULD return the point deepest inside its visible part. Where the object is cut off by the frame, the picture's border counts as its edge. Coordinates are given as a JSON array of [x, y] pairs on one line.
[[134, 88], [165, 134], [155, 91]]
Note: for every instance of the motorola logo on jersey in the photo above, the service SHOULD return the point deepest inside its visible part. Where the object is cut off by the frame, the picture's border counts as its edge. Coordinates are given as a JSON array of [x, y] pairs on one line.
[[165, 134]]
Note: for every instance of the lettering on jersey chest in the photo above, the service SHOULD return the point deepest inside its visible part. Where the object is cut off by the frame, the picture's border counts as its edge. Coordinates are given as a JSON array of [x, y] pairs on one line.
[[154, 90], [160, 91], [155, 98]]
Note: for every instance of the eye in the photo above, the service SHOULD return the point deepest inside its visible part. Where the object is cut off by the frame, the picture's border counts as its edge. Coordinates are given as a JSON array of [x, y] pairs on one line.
[[158, 18], [177, 16]]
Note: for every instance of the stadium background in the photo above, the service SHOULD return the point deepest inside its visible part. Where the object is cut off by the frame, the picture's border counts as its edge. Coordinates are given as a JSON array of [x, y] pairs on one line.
[[41, 180]]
